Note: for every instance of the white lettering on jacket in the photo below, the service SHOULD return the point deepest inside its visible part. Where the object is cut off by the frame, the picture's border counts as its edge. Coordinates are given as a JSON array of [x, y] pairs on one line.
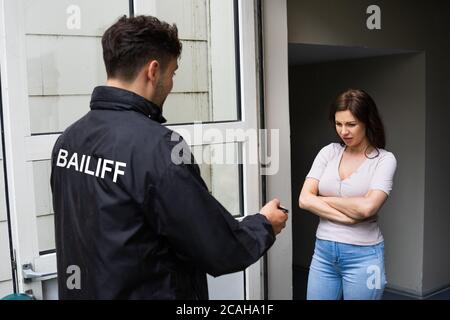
[[82, 165]]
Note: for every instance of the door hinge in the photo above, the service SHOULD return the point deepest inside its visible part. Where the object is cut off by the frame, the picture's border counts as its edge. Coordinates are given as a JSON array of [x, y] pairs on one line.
[[13, 265]]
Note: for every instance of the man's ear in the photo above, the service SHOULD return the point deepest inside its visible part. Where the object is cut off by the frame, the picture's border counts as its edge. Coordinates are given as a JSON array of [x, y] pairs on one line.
[[153, 69]]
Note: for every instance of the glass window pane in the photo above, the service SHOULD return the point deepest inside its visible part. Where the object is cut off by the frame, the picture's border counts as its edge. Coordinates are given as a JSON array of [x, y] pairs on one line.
[[6, 286], [5, 264], [64, 57], [205, 87], [220, 167], [44, 205]]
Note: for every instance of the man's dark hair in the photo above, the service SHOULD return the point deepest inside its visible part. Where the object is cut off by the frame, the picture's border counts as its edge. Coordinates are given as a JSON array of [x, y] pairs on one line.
[[363, 107], [131, 42]]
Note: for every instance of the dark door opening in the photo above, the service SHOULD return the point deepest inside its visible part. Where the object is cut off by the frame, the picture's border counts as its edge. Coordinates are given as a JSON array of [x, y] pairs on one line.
[[396, 81]]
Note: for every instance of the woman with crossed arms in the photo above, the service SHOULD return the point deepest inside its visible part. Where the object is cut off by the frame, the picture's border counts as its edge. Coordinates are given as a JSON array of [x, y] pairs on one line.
[[346, 187]]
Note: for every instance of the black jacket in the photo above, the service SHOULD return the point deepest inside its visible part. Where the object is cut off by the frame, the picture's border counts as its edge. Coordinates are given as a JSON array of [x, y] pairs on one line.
[[135, 224]]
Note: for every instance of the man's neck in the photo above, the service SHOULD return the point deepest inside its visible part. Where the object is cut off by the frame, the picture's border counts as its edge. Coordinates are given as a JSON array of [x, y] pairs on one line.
[[135, 86], [126, 86]]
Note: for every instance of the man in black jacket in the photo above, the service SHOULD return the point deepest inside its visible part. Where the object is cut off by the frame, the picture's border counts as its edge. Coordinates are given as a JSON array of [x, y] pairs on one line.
[[130, 222]]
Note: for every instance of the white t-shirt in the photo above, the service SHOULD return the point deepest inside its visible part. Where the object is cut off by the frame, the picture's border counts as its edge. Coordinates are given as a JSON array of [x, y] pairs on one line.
[[376, 173]]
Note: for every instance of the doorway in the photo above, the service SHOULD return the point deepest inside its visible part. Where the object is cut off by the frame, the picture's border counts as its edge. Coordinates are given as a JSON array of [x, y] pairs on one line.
[[396, 81]]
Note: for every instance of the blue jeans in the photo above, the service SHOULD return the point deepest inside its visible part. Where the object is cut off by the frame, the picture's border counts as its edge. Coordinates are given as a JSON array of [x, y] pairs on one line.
[[340, 270]]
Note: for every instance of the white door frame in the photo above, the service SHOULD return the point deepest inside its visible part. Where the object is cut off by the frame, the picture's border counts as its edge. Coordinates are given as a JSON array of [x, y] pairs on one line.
[[276, 102], [17, 134]]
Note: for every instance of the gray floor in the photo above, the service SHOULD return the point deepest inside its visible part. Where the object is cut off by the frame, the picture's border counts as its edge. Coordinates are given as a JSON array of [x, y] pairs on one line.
[[301, 279]]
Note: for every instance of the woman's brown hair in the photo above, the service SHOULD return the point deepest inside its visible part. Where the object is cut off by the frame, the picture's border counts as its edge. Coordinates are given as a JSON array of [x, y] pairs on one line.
[[363, 107]]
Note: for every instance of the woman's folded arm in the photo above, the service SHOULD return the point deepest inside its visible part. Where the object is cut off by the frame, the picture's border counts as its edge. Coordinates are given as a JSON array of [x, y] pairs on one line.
[[309, 201], [359, 208]]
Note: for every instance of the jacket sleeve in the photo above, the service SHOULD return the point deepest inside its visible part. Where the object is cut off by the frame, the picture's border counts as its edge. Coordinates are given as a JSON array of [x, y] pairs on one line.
[[200, 229]]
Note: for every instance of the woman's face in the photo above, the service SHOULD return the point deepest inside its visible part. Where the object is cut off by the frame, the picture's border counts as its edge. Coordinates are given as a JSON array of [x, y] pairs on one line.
[[349, 128]]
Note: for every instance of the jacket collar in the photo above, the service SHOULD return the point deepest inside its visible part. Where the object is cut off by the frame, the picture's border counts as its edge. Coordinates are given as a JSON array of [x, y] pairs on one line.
[[112, 98]]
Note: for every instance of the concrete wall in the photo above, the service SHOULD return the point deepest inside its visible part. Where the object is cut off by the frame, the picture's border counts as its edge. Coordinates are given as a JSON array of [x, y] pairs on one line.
[[436, 264], [405, 25]]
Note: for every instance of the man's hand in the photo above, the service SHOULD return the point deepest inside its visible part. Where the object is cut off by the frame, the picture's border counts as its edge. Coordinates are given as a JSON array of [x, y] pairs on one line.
[[275, 216]]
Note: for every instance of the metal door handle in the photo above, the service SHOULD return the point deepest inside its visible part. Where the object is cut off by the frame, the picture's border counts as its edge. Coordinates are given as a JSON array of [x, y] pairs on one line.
[[29, 274]]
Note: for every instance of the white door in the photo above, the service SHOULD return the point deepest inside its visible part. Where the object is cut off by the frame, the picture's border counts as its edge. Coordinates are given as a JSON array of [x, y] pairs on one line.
[[51, 59]]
